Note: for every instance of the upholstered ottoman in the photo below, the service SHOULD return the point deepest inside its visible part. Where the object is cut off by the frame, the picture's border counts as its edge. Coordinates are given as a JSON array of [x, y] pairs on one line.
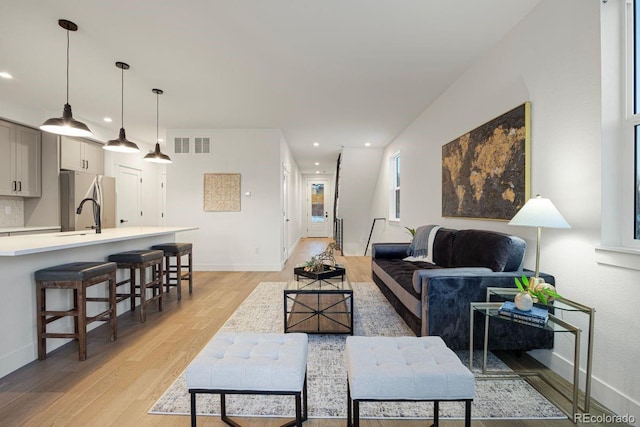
[[251, 363], [405, 369]]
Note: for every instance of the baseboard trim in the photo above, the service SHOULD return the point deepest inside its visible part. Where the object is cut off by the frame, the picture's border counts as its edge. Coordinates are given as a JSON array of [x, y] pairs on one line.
[[614, 400]]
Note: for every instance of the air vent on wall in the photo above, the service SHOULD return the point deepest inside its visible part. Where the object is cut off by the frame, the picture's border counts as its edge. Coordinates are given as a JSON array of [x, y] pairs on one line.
[[181, 145], [202, 145]]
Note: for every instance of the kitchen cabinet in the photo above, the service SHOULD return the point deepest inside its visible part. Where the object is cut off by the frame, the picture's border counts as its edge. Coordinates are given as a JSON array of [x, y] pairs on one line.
[[81, 155], [21, 162]]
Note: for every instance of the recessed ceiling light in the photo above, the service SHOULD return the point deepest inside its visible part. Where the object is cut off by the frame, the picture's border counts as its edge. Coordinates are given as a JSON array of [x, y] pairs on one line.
[[317, 171], [5, 75], [316, 144], [160, 140], [367, 144], [317, 163], [108, 119]]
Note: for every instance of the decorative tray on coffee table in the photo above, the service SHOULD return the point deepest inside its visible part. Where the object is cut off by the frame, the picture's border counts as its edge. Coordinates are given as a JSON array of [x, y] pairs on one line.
[[328, 272]]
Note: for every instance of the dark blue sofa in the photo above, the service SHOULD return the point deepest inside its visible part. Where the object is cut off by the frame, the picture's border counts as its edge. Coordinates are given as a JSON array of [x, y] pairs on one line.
[[433, 298]]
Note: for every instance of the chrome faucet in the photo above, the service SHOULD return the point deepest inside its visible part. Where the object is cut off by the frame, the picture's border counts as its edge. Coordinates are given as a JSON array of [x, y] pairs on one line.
[[96, 213]]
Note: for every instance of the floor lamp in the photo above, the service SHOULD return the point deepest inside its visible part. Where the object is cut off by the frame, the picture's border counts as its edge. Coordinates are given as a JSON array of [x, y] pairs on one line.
[[539, 212]]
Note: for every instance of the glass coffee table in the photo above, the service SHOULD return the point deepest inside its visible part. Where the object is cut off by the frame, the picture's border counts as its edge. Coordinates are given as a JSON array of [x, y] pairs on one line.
[[319, 303]]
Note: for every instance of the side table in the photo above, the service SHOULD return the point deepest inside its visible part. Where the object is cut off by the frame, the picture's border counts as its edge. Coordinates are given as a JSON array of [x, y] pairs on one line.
[[489, 309]]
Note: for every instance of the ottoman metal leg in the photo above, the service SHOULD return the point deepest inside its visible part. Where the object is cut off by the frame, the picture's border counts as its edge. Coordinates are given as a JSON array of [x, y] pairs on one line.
[[193, 409], [436, 412]]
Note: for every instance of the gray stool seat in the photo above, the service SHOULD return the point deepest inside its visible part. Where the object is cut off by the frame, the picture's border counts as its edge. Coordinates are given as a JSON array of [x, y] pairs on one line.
[[405, 369], [136, 257], [75, 271], [77, 277], [175, 274], [173, 248], [140, 260]]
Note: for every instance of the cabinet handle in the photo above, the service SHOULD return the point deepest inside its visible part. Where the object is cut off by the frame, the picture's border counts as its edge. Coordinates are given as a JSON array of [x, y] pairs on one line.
[[14, 185], [19, 185], [87, 163]]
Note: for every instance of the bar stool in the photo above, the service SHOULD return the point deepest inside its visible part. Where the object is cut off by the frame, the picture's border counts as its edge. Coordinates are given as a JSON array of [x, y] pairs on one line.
[[77, 276], [177, 250], [141, 260]]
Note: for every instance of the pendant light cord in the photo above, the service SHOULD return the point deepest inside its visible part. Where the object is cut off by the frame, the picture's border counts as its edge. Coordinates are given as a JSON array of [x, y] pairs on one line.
[[67, 66], [122, 99], [157, 116]]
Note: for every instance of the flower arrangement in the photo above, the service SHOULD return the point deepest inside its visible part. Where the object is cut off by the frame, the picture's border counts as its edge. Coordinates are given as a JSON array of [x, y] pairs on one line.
[[544, 292]]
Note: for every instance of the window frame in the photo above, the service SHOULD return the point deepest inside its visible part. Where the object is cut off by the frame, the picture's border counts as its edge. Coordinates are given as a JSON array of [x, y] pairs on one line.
[[631, 122], [394, 187]]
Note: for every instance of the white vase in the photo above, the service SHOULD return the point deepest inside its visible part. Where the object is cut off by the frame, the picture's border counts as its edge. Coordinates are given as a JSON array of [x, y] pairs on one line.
[[523, 301]]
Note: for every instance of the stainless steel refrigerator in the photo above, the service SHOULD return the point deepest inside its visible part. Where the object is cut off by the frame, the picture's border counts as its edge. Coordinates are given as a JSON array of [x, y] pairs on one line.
[[76, 186]]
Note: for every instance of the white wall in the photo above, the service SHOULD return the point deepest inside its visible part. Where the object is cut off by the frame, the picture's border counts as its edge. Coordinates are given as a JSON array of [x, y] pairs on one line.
[[358, 171], [248, 240], [552, 58]]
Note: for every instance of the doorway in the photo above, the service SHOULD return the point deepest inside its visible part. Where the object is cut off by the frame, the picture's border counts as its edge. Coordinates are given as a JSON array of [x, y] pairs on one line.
[[318, 207], [129, 202]]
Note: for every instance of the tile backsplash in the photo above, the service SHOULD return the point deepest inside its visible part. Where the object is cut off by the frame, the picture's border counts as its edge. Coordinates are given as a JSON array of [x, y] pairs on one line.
[[11, 212]]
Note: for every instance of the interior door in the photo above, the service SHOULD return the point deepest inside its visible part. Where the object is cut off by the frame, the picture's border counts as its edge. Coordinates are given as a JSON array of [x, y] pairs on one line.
[[129, 197], [317, 208]]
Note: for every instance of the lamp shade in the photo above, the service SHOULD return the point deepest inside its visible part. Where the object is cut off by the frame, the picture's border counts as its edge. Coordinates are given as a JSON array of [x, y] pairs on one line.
[[157, 156], [539, 212]]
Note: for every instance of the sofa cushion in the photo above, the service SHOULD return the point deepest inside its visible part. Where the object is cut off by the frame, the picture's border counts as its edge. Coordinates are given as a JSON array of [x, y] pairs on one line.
[[402, 272], [443, 247], [479, 248]]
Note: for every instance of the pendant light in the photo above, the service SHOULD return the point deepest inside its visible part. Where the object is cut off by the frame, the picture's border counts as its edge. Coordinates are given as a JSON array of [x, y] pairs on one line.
[[157, 156], [122, 144], [66, 125]]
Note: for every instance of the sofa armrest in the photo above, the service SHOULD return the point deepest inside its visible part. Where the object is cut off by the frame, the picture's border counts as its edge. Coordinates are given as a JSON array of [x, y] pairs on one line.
[[389, 250], [421, 277]]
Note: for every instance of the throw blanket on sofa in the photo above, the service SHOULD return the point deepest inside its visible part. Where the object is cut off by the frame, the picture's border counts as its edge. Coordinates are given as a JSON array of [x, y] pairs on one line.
[[422, 243]]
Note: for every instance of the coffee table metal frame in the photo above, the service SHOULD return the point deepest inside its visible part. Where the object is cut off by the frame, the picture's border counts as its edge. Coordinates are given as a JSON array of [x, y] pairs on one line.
[[336, 285], [490, 310]]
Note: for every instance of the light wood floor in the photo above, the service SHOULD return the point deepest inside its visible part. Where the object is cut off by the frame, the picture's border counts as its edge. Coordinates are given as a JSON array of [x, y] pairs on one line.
[[121, 380]]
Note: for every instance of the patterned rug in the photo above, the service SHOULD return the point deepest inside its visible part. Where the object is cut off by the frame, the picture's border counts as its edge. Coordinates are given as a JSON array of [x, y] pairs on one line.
[[373, 315]]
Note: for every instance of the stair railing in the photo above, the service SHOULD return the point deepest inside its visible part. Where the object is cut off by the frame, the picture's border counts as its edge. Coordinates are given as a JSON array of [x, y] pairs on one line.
[[373, 224]]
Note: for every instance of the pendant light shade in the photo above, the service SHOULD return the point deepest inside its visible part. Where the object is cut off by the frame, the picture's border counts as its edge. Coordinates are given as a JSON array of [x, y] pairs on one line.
[[66, 125], [122, 144], [157, 156]]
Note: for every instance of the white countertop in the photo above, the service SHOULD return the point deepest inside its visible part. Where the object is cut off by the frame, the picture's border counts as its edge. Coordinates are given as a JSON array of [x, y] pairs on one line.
[[28, 229], [36, 243]]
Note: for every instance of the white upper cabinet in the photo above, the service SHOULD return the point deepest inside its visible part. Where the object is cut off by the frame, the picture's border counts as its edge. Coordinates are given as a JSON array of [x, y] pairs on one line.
[[80, 155], [20, 162]]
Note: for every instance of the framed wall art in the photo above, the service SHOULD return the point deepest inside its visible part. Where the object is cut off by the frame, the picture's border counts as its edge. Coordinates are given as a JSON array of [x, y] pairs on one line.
[[486, 172], [222, 192]]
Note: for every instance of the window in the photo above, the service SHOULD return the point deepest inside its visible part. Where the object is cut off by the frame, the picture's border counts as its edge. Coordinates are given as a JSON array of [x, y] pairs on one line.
[[633, 107], [394, 197]]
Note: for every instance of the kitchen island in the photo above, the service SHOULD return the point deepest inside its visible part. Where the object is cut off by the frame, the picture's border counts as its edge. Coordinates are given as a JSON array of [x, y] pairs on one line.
[[21, 256]]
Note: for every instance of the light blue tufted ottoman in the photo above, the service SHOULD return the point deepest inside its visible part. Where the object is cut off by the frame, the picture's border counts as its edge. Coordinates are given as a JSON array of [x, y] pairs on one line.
[[405, 369], [251, 363]]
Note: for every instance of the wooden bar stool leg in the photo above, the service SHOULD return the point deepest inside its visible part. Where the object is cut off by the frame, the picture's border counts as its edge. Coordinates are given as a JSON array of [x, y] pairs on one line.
[[75, 318], [81, 316], [159, 284], [190, 272], [167, 266], [179, 275], [132, 288], [113, 307], [42, 321], [143, 295]]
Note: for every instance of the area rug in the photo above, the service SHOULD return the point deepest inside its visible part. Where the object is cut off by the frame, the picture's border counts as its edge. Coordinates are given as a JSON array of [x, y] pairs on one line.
[[373, 315]]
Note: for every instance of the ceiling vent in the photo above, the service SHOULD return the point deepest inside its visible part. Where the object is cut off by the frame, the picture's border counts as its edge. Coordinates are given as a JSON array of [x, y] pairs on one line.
[[181, 145]]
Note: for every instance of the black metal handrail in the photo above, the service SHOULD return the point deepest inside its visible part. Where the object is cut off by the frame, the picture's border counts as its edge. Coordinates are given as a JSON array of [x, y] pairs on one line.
[[373, 224], [338, 234]]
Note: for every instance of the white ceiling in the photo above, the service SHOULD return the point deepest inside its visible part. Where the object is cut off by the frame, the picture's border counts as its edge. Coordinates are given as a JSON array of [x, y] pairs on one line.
[[336, 72]]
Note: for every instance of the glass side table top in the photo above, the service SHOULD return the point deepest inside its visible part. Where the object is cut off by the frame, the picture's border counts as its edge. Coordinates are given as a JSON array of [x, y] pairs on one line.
[[563, 304]]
